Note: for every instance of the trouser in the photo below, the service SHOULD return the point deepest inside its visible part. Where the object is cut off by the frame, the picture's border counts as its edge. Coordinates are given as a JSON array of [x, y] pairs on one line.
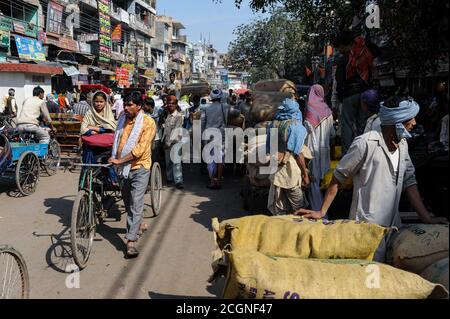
[[40, 133], [286, 201], [133, 193], [174, 171], [352, 117]]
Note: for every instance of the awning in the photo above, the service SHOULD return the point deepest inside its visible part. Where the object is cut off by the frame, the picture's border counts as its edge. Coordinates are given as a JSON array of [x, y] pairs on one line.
[[32, 2], [108, 72], [71, 71]]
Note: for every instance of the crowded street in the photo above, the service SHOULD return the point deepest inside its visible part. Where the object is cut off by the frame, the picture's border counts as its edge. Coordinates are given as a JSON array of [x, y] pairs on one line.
[[224, 150], [175, 253]]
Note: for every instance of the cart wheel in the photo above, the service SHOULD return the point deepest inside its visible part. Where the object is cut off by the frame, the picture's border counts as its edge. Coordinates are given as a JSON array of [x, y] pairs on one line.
[[246, 194], [82, 229], [27, 173], [53, 158], [155, 189]]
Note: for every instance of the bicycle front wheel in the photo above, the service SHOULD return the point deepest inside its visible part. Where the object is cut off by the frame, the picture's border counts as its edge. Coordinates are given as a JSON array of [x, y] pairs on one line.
[[82, 229], [14, 280]]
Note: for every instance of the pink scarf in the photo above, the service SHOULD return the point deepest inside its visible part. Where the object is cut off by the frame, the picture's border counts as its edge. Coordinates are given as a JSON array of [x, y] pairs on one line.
[[317, 110]]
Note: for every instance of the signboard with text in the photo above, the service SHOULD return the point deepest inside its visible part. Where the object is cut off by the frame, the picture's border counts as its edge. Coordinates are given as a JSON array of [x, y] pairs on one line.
[[117, 33], [54, 18], [105, 31], [30, 49]]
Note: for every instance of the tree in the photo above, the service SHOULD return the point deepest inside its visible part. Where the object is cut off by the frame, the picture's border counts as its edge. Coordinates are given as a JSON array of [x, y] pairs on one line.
[[414, 32], [274, 47]]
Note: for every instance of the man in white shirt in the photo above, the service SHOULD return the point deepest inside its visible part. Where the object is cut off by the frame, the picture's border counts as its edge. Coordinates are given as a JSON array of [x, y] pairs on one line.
[[381, 169], [32, 110]]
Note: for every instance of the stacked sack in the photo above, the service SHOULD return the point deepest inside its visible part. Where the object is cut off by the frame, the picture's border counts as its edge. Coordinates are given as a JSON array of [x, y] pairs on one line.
[[289, 257], [423, 250], [267, 97], [255, 157]]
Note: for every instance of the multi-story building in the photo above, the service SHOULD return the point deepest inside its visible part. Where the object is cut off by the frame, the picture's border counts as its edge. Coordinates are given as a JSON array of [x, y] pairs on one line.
[[88, 39], [174, 52]]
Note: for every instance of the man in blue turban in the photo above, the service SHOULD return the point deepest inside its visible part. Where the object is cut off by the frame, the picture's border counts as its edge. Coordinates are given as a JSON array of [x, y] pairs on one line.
[[381, 169]]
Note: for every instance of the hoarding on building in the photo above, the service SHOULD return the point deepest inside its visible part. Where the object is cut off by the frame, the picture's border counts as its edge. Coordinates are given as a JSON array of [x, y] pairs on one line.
[[54, 18], [116, 34], [105, 31], [30, 49]]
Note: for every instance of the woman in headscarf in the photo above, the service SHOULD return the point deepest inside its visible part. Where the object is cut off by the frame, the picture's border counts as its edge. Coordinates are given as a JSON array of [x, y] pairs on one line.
[[319, 124], [98, 120], [286, 194]]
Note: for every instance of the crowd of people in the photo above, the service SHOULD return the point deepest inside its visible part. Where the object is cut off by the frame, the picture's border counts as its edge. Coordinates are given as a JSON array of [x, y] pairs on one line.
[[141, 129]]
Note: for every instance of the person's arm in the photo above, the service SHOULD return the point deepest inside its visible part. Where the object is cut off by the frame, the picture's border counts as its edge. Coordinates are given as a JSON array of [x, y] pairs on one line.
[[46, 116], [13, 107], [300, 159], [416, 202], [349, 166], [328, 200]]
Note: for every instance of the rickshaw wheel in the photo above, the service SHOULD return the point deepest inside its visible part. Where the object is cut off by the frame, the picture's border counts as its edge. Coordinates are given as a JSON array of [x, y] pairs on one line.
[[53, 158], [155, 189], [27, 173]]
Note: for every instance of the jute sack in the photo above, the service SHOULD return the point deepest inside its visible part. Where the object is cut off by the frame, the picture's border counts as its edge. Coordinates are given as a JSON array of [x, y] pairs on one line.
[[291, 236], [255, 275], [281, 85], [266, 104], [437, 273], [417, 246]]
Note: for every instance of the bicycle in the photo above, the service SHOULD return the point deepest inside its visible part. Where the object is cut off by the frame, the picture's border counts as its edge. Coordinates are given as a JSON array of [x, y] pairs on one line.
[[14, 280], [93, 202]]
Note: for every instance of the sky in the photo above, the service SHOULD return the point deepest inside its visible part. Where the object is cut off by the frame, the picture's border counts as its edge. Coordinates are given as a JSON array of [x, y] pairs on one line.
[[206, 17]]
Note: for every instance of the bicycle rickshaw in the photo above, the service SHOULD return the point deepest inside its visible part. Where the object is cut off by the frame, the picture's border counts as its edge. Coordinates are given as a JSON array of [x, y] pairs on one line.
[[22, 159], [95, 198]]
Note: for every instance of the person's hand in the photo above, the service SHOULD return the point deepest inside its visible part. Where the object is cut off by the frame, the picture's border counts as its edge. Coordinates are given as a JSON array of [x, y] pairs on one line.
[[435, 220], [114, 161], [306, 213], [306, 181]]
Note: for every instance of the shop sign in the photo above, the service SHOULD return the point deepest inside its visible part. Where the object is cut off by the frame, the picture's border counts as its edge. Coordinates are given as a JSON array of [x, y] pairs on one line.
[[30, 49], [117, 33], [54, 18], [4, 39], [105, 31]]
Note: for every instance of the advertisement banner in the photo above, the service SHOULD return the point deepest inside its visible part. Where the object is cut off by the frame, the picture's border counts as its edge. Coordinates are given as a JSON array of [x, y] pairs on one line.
[[117, 33], [30, 49], [4, 39], [54, 18], [105, 31]]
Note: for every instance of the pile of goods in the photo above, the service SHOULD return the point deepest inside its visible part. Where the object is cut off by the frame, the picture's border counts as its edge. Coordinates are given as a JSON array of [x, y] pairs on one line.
[[289, 257], [201, 89], [267, 97]]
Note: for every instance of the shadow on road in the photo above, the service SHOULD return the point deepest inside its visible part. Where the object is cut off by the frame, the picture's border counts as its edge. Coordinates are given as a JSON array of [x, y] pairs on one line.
[[59, 255]]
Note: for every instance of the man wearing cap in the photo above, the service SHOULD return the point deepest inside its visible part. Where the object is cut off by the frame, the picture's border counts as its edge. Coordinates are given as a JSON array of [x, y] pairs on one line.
[[382, 170]]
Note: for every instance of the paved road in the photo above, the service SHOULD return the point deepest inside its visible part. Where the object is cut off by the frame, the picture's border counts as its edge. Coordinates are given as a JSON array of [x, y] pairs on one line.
[[175, 252]]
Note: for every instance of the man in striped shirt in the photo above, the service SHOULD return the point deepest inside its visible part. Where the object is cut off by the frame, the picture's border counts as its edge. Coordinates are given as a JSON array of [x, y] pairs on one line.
[[81, 107]]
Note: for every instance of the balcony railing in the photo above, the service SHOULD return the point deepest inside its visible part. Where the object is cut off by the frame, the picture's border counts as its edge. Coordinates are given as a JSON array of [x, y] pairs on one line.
[[10, 24], [180, 38]]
